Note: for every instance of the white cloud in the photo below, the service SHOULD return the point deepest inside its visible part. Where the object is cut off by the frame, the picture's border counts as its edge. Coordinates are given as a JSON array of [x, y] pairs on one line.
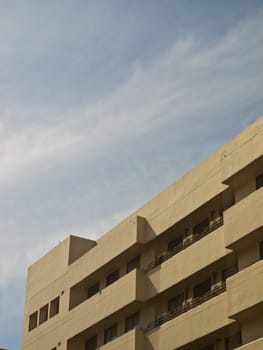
[[187, 82]]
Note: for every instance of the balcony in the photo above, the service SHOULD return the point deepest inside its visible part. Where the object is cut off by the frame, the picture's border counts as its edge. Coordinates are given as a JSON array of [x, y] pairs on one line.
[[243, 218], [197, 322], [199, 255], [167, 255], [184, 308], [129, 341], [254, 345], [126, 290], [245, 289]]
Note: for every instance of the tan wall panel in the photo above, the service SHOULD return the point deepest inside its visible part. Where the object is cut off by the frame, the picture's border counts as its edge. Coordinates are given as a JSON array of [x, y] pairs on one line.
[[244, 217], [133, 340], [245, 289], [242, 150]]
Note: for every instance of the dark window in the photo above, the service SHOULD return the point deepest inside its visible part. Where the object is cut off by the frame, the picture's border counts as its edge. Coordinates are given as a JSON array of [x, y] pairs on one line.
[[208, 347], [259, 181], [91, 343], [32, 321], [54, 349], [112, 277], [175, 302], [261, 250], [110, 333], [132, 322], [202, 289], [226, 273], [43, 314], [174, 243], [54, 307], [233, 341], [133, 264], [94, 289], [201, 227]]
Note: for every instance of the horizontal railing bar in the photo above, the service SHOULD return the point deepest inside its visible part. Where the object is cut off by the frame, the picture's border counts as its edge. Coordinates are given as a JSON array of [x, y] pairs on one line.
[[184, 308], [167, 255]]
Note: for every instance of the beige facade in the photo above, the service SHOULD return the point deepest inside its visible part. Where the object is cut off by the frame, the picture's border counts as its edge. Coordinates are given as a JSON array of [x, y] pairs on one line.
[[183, 272]]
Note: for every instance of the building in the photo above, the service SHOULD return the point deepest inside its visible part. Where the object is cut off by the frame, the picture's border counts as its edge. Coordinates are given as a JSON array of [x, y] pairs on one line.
[[183, 272]]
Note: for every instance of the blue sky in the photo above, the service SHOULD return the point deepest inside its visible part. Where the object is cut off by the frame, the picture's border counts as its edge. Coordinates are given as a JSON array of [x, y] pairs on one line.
[[105, 103]]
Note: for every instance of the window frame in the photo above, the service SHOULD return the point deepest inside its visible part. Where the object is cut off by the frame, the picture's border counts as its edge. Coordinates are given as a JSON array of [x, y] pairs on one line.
[[91, 346], [133, 264], [110, 333], [259, 181], [54, 307], [261, 250], [33, 321], [93, 289], [132, 322], [43, 314], [112, 277]]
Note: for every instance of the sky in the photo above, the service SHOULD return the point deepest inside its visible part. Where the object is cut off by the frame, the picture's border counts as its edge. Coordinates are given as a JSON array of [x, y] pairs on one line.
[[105, 103]]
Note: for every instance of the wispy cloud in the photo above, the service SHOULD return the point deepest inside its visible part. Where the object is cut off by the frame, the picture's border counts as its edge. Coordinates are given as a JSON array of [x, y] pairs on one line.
[[188, 82]]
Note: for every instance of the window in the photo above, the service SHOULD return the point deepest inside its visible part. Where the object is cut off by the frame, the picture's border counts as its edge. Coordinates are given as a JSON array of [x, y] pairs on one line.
[[201, 227], [175, 302], [208, 347], [202, 289], [43, 314], [132, 322], [54, 349], [54, 307], [110, 333], [259, 181], [91, 343], [174, 243], [112, 277], [32, 321], [233, 341], [94, 289], [261, 250], [133, 264]]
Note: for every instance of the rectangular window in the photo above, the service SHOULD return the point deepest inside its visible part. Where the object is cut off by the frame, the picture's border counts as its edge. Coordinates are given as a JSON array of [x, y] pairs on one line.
[[54, 307], [175, 302], [94, 289], [32, 321], [110, 333], [208, 347], [233, 341], [43, 314], [202, 289], [133, 264], [259, 181], [172, 245], [201, 227], [91, 343], [132, 322], [261, 250], [112, 277]]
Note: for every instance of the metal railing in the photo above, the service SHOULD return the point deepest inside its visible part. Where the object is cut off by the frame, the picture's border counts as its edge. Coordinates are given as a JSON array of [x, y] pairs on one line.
[[185, 307], [167, 255]]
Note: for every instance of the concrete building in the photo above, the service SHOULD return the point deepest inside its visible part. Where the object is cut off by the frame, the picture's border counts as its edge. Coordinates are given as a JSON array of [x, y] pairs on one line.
[[183, 272]]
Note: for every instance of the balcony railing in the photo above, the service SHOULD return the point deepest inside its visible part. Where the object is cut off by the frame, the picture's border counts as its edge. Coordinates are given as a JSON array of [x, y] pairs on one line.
[[167, 255], [185, 307]]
